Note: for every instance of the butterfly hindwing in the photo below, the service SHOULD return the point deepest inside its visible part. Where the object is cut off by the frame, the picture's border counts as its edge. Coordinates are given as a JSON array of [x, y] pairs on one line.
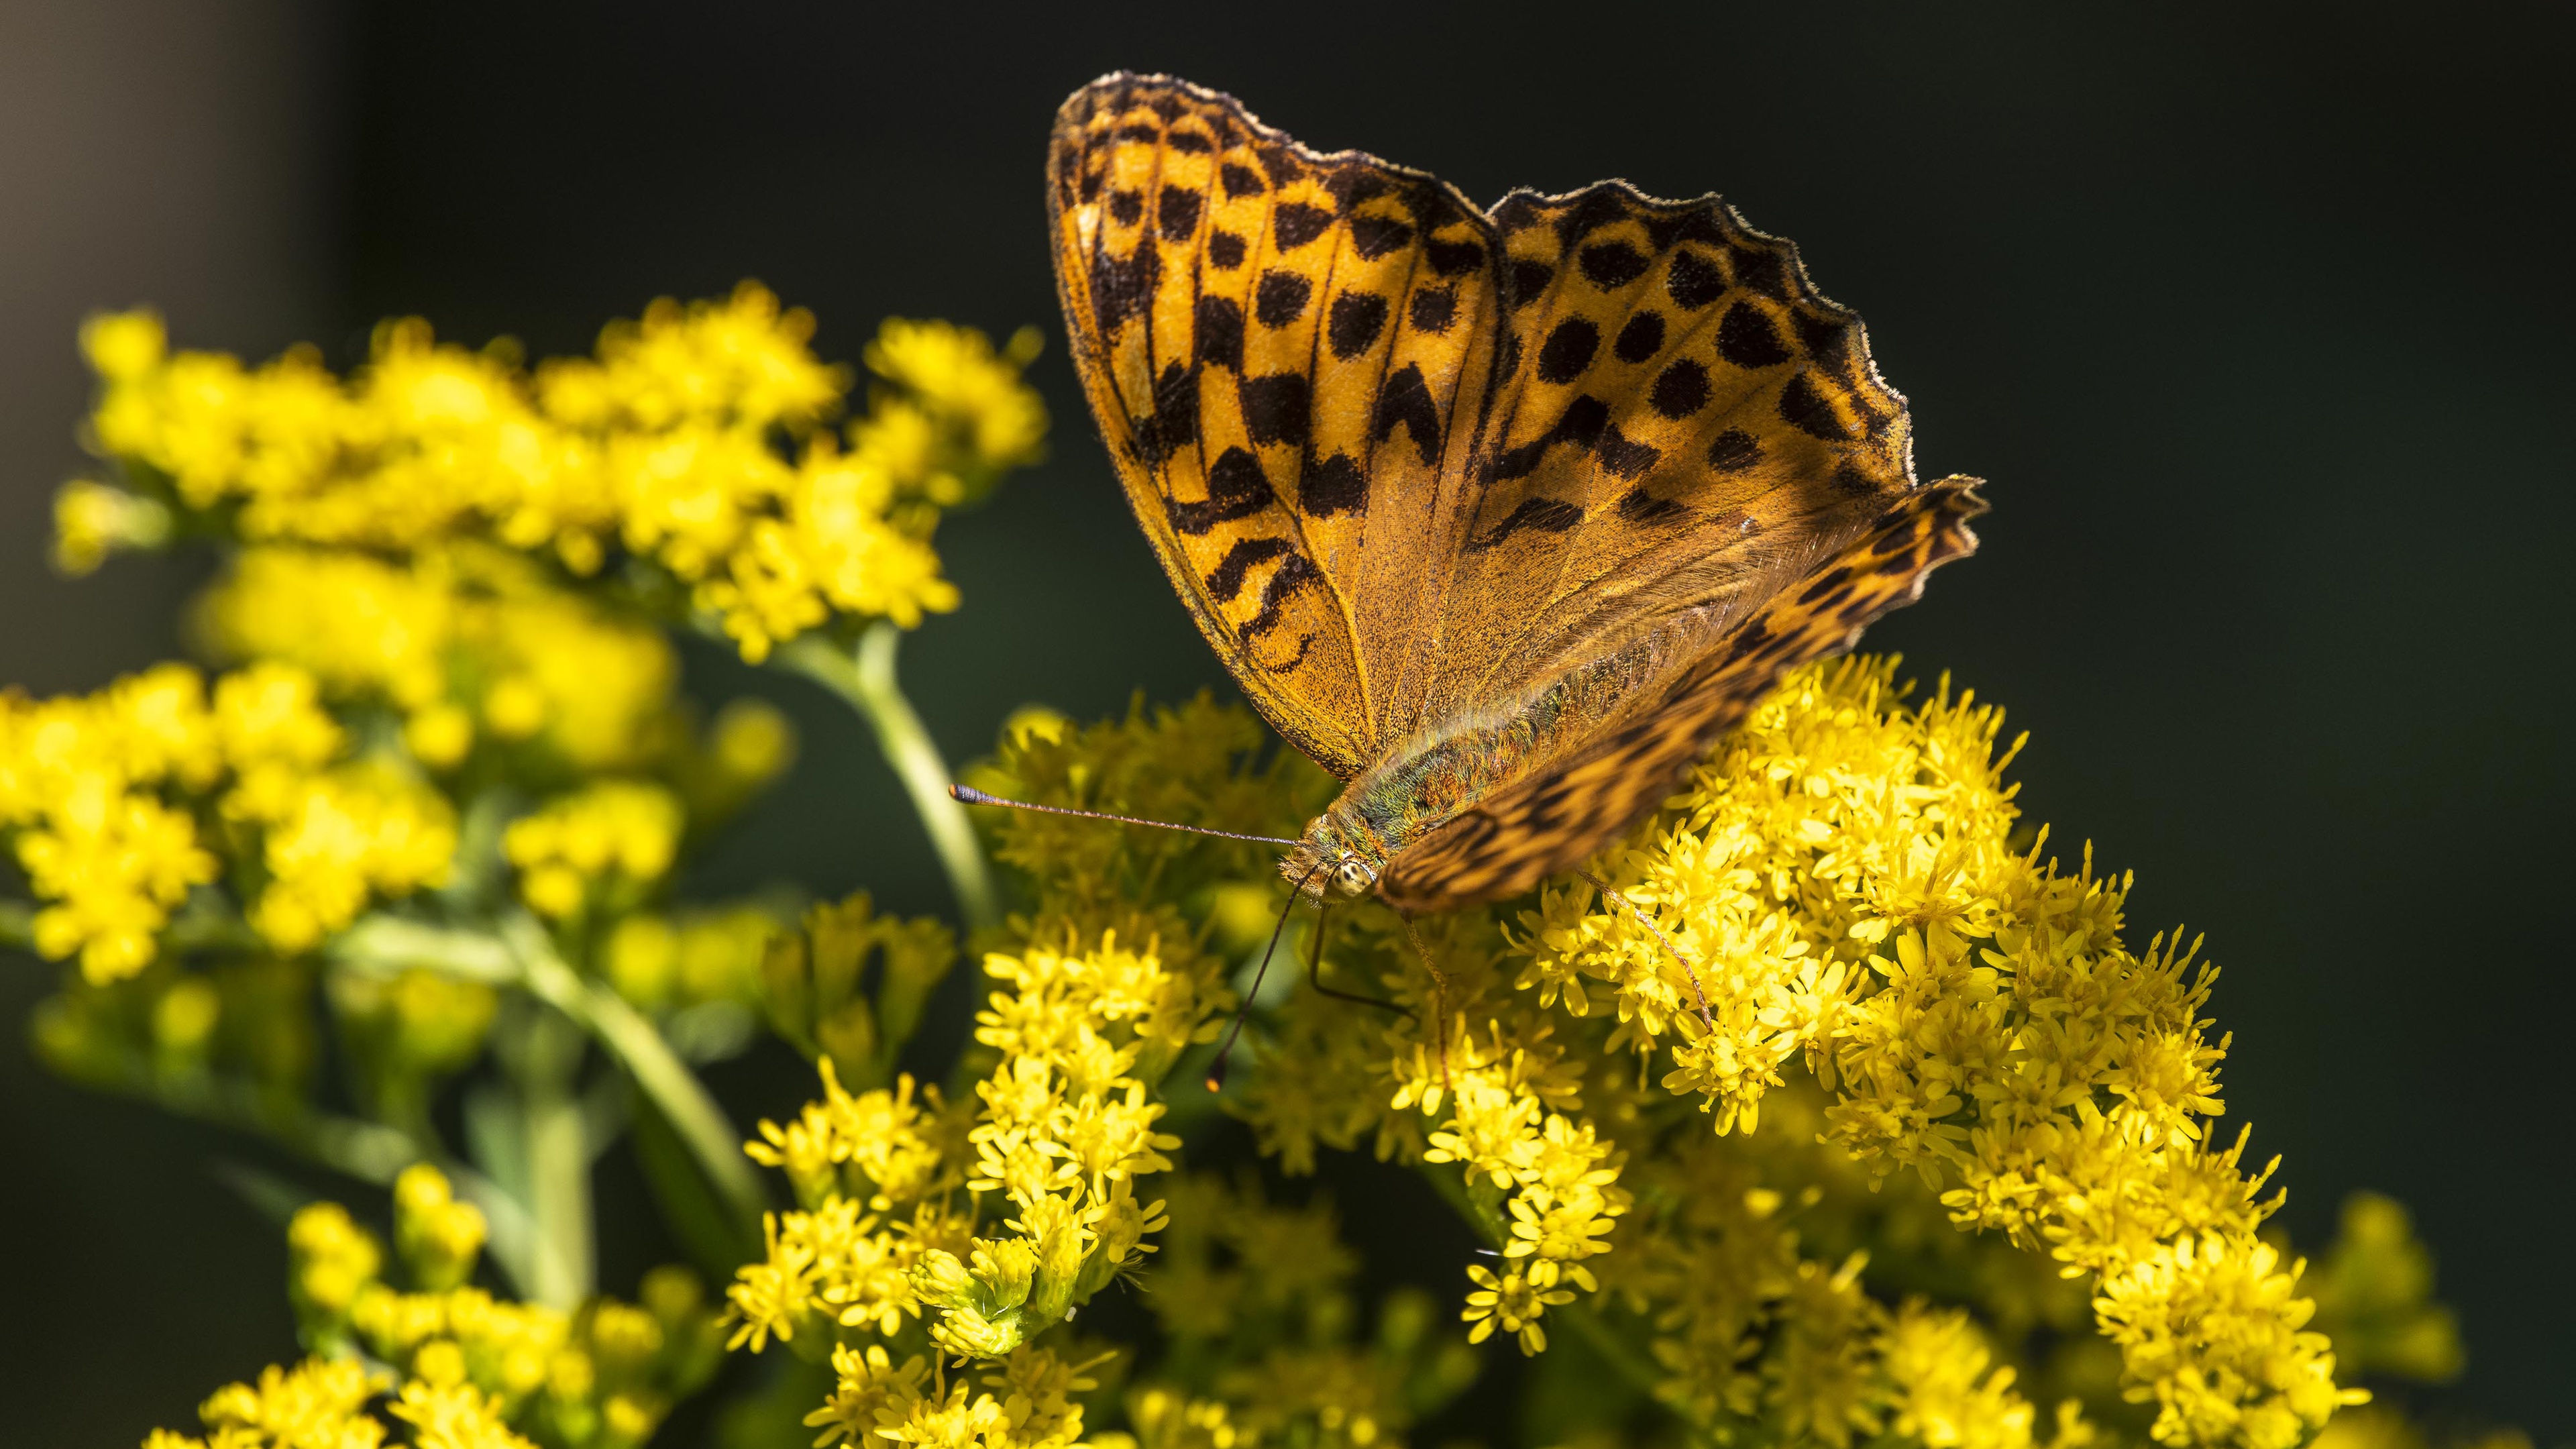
[[1278, 344], [1552, 819], [1680, 420]]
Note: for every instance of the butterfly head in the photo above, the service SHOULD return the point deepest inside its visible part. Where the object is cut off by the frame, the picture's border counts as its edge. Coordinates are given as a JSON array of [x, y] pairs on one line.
[[1328, 867]]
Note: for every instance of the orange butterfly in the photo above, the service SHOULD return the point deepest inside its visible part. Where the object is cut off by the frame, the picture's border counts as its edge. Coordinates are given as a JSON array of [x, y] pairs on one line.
[[1503, 517]]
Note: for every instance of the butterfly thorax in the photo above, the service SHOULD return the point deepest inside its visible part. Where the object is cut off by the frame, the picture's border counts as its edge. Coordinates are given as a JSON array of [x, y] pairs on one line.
[[1446, 769]]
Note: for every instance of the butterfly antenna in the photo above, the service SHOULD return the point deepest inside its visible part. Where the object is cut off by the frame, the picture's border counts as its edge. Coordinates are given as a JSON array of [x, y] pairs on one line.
[[1315, 977], [969, 795], [1224, 1053], [1638, 914]]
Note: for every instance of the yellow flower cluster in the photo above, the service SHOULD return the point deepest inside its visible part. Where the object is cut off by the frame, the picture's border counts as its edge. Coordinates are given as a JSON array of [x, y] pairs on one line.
[[689, 958], [466, 641], [811, 985], [1063, 1128], [1027, 1401], [663, 445], [1894, 978], [612, 839], [877, 1173], [1066, 1127], [1843, 869], [469, 1371], [119, 803]]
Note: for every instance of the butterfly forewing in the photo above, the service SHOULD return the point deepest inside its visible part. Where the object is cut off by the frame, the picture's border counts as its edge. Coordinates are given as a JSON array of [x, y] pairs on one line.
[[1278, 344]]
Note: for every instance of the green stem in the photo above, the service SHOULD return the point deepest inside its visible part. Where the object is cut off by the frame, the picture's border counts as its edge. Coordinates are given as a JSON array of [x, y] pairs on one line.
[[657, 1071], [524, 956], [542, 1055], [865, 677]]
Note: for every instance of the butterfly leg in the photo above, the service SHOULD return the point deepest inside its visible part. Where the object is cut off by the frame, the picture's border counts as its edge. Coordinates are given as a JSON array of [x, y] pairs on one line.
[[1637, 913], [1315, 976], [1439, 999]]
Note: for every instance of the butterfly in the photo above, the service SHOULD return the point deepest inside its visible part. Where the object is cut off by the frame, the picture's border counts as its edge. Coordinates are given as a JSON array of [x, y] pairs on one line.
[[1503, 517]]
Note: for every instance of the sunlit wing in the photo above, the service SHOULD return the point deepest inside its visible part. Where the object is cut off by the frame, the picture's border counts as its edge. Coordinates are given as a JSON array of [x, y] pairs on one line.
[[1280, 346], [1564, 811], [1681, 422]]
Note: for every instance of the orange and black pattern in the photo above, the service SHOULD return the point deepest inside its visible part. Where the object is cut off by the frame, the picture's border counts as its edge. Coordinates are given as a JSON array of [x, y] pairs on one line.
[[1412, 463], [1553, 819], [1287, 352]]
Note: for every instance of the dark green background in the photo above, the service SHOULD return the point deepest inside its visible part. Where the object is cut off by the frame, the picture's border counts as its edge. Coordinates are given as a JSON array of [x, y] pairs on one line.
[[2257, 317]]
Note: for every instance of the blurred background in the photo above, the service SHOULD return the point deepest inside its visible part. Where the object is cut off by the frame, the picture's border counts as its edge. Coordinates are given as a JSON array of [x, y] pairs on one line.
[[2257, 317]]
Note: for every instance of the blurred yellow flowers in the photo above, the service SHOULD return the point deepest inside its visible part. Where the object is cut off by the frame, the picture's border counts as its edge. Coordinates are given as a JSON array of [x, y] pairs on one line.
[[664, 446]]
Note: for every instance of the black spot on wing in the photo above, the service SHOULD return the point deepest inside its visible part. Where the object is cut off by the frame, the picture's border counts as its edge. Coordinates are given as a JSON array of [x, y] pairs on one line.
[[1276, 407], [1746, 337], [1281, 298], [1596, 209], [1734, 451], [1334, 485], [1237, 488], [1240, 180], [1404, 400], [1354, 322], [1122, 287], [1641, 507], [1225, 250], [1354, 184], [1178, 213], [1642, 338], [1764, 270], [1374, 236], [1295, 572], [1296, 224], [1827, 339], [1807, 410], [1694, 282], [1127, 206], [1582, 423], [1190, 141], [1279, 164], [1568, 350], [1680, 390], [1175, 423], [1528, 279], [1622, 458], [1534, 515], [1449, 258], [1226, 580], [1217, 333], [1611, 264], [1434, 309]]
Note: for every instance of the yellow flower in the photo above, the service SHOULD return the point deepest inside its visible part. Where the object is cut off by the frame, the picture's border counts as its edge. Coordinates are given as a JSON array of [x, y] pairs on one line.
[[663, 444], [457, 1416], [616, 831]]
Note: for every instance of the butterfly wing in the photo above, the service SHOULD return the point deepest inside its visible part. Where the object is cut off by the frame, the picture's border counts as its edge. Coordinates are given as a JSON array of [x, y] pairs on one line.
[[1680, 423], [1280, 346], [1554, 817]]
